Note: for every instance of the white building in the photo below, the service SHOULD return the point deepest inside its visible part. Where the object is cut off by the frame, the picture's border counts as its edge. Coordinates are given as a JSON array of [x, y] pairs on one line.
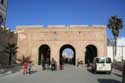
[[3, 9], [120, 55]]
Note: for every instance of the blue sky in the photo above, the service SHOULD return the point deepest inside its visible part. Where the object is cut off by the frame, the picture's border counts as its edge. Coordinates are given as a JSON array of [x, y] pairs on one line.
[[68, 52], [47, 12]]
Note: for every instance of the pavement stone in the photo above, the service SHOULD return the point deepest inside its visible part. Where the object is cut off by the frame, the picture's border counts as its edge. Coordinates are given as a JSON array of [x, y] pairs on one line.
[[70, 74]]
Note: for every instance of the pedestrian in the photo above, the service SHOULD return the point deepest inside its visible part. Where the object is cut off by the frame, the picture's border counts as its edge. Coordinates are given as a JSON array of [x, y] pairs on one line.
[[53, 64], [25, 66], [43, 64], [88, 63], [62, 64], [78, 62], [30, 67], [47, 63]]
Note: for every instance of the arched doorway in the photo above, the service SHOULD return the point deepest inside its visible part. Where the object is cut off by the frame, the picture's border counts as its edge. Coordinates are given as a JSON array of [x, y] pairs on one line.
[[44, 53], [69, 58], [90, 54]]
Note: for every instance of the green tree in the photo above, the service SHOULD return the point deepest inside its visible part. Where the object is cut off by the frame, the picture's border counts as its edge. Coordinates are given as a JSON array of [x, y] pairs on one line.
[[11, 49], [115, 24]]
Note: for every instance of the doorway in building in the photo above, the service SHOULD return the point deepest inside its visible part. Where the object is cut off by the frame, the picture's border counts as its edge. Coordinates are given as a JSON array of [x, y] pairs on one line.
[[67, 53], [44, 53], [90, 54]]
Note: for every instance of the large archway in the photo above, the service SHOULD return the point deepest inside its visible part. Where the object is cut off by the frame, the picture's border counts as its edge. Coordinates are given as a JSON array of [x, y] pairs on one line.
[[90, 54], [70, 59], [44, 53]]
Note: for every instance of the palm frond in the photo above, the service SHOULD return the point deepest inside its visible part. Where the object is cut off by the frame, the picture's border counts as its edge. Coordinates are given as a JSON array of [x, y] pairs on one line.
[[115, 24], [11, 48]]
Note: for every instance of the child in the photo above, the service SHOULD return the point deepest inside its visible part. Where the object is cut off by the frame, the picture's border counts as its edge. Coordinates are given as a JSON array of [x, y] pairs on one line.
[[30, 67], [25, 66]]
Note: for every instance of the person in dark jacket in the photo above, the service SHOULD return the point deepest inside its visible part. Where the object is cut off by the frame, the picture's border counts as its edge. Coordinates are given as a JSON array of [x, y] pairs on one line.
[[61, 64], [43, 64], [53, 64], [47, 63]]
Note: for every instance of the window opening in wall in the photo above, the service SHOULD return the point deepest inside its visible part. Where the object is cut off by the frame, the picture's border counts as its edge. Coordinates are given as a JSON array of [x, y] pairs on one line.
[[2, 1]]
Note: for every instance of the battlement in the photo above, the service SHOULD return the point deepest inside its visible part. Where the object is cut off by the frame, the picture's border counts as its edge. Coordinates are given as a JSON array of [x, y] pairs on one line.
[[59, 26], [29, 26], [56, 26]]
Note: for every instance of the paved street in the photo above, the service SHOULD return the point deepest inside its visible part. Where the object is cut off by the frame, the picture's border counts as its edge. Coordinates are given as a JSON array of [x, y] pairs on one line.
[[70, 74]]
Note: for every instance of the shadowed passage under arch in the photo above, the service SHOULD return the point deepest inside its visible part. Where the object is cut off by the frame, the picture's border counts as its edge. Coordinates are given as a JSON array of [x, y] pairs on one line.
[[90, 54], [44, 53]]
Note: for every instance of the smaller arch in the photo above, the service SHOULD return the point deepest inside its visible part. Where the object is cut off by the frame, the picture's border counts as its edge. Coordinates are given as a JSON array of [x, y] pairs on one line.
[[67, 46], [44, 53], [90, 53]]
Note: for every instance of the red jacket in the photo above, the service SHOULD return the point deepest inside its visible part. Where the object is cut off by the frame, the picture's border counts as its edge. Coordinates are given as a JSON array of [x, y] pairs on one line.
[[25, 65]]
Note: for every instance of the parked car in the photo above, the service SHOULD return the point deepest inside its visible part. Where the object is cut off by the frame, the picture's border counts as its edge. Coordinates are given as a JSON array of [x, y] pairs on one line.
[[102, 64]]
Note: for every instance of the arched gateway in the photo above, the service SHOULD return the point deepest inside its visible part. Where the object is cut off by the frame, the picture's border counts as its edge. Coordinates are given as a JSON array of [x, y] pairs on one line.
[[72, 59], [44, 53], [39, 42], [91, 52]]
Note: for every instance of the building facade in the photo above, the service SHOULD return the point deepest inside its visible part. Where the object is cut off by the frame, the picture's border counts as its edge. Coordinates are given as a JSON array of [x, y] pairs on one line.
[[39, 42], [3, 11], [120, 53]]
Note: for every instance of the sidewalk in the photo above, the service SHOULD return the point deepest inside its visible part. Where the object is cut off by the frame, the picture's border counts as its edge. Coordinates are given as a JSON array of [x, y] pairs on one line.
[[70, 74], [117, 72], [19, 68], [118, 66], [10, 70]]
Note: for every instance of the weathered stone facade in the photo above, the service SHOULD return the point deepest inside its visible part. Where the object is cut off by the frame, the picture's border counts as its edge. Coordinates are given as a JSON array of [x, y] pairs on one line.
[[6, 36], [30, 38]]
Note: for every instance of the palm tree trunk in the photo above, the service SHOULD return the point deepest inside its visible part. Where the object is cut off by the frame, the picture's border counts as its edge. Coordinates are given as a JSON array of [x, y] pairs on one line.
[[10, 57], [115, 48], [113, 52]]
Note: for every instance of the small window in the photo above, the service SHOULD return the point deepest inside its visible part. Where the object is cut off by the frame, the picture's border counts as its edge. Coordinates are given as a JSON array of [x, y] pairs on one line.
[[1, 19], [108, 60], [2, 1], [99, 60]]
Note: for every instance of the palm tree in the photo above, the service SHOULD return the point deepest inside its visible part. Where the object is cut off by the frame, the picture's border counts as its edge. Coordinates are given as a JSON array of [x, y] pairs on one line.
[[11, 49], [115, 24]]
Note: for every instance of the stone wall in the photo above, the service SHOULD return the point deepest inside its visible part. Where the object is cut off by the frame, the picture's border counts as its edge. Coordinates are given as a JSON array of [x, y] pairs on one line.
[[30, 38], [6, 36]]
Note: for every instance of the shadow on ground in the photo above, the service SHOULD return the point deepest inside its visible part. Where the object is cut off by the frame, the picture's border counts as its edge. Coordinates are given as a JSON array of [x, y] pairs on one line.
[[117, 74], [92, 72], [118, 66], [33, 72], [7, 70], [108, 81]]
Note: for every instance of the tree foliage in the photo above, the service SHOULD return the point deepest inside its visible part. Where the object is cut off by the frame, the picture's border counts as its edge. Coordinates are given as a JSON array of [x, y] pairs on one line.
[[11, 49]]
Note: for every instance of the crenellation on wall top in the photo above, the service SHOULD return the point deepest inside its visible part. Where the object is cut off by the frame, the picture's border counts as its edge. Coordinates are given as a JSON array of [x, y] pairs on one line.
[[29, 26], [57, 26], [74, 26], [96, 26], [60, 27]]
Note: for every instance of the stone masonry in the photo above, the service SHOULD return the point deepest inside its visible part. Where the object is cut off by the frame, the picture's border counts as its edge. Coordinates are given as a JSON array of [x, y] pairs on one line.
[[30, 38]]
